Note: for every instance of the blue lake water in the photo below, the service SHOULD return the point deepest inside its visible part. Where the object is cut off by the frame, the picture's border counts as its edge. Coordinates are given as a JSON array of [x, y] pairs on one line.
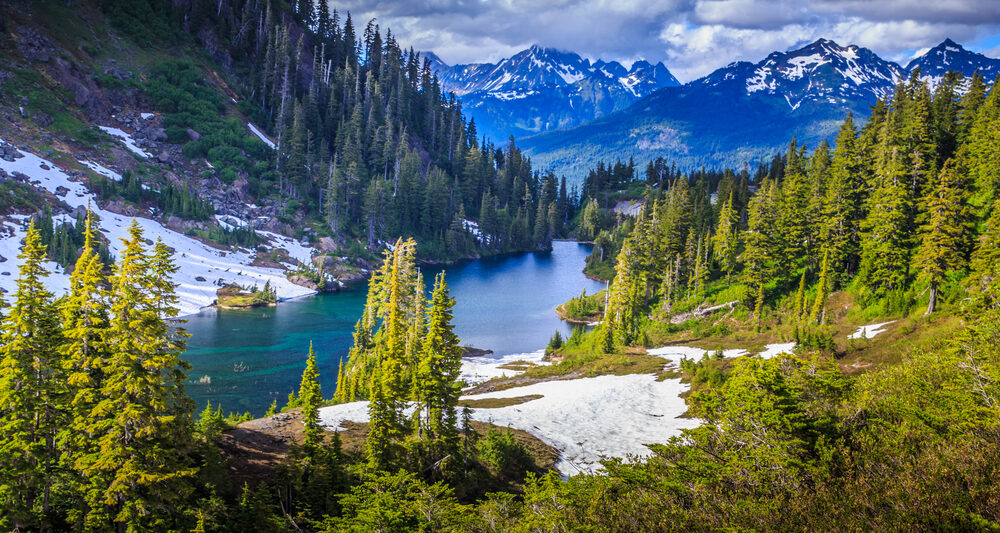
[[505, 304]]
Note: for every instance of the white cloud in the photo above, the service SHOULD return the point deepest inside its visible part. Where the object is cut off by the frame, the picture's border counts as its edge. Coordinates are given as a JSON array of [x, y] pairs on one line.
[[693, 37]]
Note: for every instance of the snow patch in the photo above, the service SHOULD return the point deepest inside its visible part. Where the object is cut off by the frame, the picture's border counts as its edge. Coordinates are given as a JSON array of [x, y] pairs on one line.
[[869, 331], [260, 135], [584, 419], [102, 170], [772, 350], [483, 368], [127, 139], [675, 354], [147, 116]]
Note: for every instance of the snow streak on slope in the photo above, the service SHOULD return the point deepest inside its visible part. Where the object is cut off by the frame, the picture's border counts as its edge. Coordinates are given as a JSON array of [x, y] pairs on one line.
[[127, 140], [203, 268], [260, 135]]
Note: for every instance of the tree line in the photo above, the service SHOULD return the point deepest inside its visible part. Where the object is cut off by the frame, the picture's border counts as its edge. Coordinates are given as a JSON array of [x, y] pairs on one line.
[[899, 209]]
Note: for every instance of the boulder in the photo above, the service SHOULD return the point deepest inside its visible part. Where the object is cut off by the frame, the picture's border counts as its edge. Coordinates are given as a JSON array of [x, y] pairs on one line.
[[193, 135], [164, 157], [327, 245], [303, 281]]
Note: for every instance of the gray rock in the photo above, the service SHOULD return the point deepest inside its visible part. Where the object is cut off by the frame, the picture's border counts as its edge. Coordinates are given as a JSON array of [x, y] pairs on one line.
[[193, 135], [164, 157]]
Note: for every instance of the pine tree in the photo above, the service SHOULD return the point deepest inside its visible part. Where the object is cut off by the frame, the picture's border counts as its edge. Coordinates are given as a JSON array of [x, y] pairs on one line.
[[142, 421], [726, 240], [311, 398], [84, 352], [31, 394], [984, 280], [943, 237], [438, 372], [822, 289]]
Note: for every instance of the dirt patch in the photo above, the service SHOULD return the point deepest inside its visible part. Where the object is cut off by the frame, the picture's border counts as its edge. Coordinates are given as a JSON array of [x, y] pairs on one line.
[[496, 403], [517, 381]]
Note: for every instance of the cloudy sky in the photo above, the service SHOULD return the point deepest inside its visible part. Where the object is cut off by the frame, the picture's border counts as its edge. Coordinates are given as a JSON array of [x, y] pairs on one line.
[[693, 37]]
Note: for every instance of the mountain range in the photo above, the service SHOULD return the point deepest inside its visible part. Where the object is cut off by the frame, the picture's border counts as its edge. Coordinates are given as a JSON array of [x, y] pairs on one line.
[[735, 116], [544, 89]]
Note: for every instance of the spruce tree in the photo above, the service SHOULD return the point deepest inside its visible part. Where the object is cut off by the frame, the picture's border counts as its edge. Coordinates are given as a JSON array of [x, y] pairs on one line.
[[438, 374], [142, 421], [311, 399], [31, 393], [943, 236]]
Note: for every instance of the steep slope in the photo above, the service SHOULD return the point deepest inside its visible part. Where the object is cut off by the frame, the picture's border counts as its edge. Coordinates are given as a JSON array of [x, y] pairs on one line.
[[743, 112], [542, 89]]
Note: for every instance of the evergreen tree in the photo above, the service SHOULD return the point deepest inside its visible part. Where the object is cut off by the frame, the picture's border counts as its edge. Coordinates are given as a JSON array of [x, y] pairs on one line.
[[142, 421], [942, 238], [311, 399], [31, 394], [726, 240], [822, 290], [437, 375]]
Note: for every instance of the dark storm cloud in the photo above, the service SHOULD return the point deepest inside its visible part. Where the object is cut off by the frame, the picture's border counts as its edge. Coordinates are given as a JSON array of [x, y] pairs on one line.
[[693, 37]]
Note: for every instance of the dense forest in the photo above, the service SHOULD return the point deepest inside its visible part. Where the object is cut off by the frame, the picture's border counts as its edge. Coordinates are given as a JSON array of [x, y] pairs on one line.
[[898, 218], [366, 141]]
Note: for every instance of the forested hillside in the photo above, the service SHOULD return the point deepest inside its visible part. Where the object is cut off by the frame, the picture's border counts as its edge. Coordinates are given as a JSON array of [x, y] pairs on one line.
[[288, 118]]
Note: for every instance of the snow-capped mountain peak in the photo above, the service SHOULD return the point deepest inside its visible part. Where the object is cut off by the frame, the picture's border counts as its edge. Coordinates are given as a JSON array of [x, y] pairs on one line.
[[951, 56], [537, 67], [820, 71]]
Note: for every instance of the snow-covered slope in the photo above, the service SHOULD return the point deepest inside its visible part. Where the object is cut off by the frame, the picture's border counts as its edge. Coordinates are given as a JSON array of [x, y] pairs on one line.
[[202, 268], [823, 71]]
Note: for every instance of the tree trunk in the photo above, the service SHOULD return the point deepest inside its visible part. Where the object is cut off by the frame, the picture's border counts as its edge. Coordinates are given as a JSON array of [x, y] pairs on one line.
[[932, 302]]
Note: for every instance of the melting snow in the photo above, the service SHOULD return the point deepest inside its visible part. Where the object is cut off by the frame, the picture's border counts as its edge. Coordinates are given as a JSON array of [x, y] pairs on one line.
[[195, 259], [147, 116], [260, 135], [772, 350], [486, 367], [127, 140], [584, 419], [869, 331], [104, 171]]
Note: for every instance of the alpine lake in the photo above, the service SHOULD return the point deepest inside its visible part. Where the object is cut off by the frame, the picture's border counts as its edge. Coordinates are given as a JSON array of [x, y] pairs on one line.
[[245, 359]]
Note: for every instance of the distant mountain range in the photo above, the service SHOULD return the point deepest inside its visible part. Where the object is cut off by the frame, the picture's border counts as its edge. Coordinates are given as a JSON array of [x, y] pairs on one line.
[[745, 112], [543, 89]]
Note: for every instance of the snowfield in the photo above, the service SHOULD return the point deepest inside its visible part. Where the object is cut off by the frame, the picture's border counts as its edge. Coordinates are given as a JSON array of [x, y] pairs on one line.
[[584, 419], [202, 268]]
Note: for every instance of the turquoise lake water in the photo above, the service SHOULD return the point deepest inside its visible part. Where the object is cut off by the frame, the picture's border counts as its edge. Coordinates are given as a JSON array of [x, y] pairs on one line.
[[505, 304]]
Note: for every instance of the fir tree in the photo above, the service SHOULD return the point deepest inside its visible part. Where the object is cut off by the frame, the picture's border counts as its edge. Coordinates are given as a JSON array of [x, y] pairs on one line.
[[311, 399], [942, 240], [31, 394], [142, 421], [438, 372]]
